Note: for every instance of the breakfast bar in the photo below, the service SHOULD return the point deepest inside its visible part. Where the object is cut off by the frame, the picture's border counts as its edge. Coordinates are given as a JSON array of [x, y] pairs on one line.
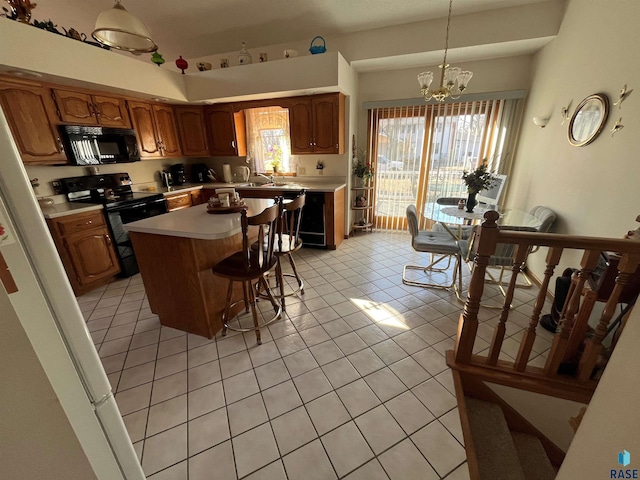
[[175, 253]]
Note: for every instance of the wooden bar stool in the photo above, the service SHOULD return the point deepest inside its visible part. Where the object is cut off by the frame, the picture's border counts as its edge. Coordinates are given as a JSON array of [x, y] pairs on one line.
[[251, 265], [288, 242]]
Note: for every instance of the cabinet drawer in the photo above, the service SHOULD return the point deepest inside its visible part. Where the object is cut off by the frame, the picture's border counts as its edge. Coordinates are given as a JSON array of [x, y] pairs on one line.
[[177, 202], [79, 222]]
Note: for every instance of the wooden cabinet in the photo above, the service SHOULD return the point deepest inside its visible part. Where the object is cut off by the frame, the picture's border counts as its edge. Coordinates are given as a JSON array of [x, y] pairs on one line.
[[84, 243], [156, 129], [193, 134], [362, 208], [31, 114], [85, 109], [225, 131], [317, 124]]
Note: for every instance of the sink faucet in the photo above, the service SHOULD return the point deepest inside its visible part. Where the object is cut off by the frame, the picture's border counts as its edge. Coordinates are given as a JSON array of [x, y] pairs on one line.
[[260, 175]]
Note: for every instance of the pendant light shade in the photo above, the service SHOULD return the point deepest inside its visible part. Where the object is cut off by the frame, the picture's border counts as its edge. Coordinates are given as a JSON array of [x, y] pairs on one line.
[[121, 30]]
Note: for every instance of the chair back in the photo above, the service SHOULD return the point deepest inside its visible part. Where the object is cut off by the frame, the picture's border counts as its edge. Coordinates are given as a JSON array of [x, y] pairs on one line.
[[267, 224], [545, 215], [412, 220], [289, 238]]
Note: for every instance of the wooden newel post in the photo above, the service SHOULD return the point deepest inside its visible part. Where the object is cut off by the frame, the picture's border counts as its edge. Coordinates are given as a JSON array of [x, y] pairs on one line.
[[484, 247]]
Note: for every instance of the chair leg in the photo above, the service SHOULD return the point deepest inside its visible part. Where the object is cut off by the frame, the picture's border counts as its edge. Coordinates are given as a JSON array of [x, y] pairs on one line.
[[295, 273], [431, 268], [227, 309], [270, 296], [280, 279], [255, 314], [245, 291]]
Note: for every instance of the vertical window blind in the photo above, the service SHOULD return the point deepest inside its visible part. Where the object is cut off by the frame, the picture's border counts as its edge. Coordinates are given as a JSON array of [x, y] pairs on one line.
[[420, 152]]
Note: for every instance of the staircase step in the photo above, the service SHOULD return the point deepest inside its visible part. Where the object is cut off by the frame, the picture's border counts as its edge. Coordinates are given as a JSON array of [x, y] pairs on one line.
[[496, 452], [533, 458]]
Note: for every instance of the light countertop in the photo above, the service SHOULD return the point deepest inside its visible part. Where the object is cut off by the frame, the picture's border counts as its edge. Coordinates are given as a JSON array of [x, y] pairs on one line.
[[293, 184], [195, 222], [62, 209]]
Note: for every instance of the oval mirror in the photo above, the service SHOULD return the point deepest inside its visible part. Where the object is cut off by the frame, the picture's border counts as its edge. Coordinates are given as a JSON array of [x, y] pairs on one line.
[[588, 119]]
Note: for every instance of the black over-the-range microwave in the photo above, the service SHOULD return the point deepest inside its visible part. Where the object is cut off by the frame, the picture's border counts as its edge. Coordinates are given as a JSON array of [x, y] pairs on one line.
[[99, 145]]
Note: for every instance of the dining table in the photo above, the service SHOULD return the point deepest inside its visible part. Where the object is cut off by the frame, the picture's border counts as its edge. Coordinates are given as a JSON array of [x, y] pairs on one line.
[[452, 216]]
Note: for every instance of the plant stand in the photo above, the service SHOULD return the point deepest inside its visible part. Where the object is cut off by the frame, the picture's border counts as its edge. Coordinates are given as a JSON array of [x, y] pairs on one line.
[[362, 208]]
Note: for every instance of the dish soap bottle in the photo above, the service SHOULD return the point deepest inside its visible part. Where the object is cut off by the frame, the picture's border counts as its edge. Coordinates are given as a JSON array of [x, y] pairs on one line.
[[244, 57]]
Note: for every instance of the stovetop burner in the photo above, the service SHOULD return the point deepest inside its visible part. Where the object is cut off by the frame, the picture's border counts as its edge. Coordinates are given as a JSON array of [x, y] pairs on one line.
[[111, 190]]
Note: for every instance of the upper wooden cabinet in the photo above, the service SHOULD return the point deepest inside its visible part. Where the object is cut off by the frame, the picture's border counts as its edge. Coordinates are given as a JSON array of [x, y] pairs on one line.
[[193, 134], [85, 109], [225, 129], [31, 114], [156, 129], [317, 124]]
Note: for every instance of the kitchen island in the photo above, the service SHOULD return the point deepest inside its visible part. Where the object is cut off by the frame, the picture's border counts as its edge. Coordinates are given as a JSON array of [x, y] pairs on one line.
[[175, 253]]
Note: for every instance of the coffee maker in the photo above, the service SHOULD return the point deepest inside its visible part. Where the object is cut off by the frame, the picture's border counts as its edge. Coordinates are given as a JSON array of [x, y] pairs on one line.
[[199, 172], [178, 174]]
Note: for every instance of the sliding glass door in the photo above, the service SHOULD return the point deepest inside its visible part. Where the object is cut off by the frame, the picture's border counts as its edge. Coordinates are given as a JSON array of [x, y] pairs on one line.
[[420, 153]]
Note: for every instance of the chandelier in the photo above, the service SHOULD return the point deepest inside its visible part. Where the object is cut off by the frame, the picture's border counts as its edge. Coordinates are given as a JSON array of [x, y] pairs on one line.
[[453, 80]]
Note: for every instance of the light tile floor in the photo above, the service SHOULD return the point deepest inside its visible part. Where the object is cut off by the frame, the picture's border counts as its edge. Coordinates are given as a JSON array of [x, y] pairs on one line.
[[350, 383]]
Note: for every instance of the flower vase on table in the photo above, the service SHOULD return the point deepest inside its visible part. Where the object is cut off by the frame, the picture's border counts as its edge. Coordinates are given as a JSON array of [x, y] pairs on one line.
[[471, 201]]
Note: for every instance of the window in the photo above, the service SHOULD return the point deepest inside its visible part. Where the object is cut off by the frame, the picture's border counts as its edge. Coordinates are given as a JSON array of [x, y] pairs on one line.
[[268, 142], [422, 151]]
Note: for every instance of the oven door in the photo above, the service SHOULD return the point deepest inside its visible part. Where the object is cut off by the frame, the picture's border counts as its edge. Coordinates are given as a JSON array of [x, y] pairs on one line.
[[123, 214]]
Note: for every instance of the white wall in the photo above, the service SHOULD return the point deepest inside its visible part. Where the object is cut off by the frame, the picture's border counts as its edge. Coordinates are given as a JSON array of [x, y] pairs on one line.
[[593, 189]]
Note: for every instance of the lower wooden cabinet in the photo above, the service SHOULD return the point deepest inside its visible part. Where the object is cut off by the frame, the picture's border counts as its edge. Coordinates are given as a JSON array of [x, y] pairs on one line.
[[85, 246]]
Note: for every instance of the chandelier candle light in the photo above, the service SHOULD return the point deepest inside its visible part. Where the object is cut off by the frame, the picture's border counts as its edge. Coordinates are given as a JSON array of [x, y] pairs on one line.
[[453, 80]]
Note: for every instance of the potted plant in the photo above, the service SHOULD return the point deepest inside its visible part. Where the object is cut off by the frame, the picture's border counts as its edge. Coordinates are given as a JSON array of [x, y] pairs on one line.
[[275, 157], [476, 180], [362, 169]]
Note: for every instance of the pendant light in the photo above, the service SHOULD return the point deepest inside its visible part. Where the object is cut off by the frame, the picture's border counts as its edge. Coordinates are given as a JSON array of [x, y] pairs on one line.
[[453, 81], [121, 30]]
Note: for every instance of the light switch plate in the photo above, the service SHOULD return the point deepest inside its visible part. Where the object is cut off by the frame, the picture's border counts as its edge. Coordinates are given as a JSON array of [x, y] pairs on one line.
[[302, 170]]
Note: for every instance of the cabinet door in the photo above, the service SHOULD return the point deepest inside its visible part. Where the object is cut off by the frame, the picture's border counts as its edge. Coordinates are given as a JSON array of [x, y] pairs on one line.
[[111, 111], [76, 108], [193, 136], [221, 130], [326, 124], [92, 255], [301, 126], [30, 112], [144, 125], [167, 130]]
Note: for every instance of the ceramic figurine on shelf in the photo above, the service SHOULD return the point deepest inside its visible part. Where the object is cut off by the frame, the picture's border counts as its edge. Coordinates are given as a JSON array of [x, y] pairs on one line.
[[182, 64], [157, 58], [244, 57]]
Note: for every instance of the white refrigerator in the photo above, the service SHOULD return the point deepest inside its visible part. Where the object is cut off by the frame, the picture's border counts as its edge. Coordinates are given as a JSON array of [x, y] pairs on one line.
[[40, 295]]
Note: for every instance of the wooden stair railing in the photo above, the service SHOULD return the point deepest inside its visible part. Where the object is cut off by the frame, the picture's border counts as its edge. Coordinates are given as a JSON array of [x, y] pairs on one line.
[[570, 336]]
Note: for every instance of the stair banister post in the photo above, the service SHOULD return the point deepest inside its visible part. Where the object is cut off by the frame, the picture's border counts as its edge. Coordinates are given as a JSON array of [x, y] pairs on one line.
[[484, 246], [627, 266], [519, 257], [561, 338], [553, 258]]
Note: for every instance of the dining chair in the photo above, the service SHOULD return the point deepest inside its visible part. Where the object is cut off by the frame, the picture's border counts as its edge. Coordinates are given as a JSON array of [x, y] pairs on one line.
[[250, 266], [441, 246], [288, 241], [503, 256]]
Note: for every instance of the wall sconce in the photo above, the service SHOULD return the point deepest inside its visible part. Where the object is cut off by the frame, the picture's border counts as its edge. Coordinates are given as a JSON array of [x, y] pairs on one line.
[[540, 121]]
